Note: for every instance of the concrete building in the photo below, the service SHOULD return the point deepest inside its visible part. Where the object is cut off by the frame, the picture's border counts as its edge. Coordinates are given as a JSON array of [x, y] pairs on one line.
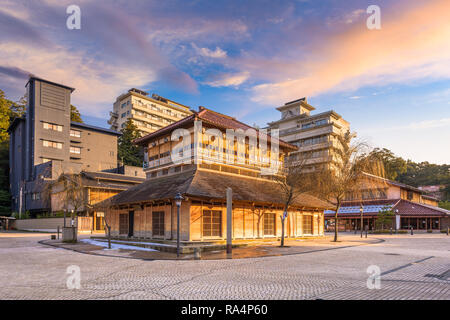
[[197, 170], [45, 143], [314, 135], [148, 113]]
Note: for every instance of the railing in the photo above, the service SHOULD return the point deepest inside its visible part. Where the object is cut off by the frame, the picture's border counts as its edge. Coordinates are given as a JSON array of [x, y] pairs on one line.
[[215, 156]]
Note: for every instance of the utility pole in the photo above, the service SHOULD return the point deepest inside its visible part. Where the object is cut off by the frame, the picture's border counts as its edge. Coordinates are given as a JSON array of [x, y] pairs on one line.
[[361, 209], [229, 218], [20, 202]]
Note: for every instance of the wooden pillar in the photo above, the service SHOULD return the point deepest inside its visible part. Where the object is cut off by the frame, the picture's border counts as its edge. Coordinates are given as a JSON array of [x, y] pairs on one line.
[[201, 220], [229, 219]]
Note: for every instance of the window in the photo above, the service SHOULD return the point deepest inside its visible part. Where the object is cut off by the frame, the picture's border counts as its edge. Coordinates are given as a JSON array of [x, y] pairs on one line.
[[409, 195], [307, 125], [312, 141], [52, 126], [76, 150], [320, 122], [158, 223], [314, 123], [269, 224], [123, 115], [307, 224], [75, 133], [35, 196], [212, 223], [52, 144], [165, 172], [123, 223], [111, 153]]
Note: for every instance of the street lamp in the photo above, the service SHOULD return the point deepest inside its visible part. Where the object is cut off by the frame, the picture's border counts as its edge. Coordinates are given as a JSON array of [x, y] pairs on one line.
[[178, 199], [397, 225], [361, 209]]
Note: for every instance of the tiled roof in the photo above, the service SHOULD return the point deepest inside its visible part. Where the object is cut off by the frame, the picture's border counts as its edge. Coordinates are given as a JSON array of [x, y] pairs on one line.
[[404, 207], [408, 208], [210, 117], [394, 183], [210, 185], [113, 176]]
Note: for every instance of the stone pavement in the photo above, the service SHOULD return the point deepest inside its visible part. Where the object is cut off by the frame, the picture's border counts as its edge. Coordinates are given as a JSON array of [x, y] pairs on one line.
[[253, 249], [412, 267]]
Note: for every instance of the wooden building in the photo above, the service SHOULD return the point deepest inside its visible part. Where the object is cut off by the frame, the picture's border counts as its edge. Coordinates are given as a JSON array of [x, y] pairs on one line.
[[411, 207], [148, 210], [96, 187]]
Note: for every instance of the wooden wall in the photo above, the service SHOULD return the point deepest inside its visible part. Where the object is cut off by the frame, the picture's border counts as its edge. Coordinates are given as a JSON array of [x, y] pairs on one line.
[[143, 220], [248, 221]]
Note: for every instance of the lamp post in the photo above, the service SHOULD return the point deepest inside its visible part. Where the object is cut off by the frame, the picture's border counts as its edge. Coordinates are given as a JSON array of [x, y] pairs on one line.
[[397, 221], [361, 212], [178, 199]]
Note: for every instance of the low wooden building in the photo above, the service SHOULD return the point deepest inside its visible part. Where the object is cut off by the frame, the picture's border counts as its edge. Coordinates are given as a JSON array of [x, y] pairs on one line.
[[95, 187], [149, 211], [410, 206]]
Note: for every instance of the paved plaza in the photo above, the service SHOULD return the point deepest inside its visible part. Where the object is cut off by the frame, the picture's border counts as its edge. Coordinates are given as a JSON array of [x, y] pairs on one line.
[[412, 267]]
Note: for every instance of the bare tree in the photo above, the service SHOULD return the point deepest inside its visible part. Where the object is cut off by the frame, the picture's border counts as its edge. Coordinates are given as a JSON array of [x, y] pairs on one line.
[[105, 205], [295, 179], [69, 189], [343, 175]]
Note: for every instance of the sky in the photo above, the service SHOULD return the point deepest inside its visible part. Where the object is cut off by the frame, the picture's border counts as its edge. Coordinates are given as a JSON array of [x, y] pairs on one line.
[[245, 59]]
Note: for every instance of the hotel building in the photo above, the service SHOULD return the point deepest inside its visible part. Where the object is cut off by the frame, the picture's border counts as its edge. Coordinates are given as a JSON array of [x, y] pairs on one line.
[[45, 143], [314, 135], [149, 211], [148, 113]]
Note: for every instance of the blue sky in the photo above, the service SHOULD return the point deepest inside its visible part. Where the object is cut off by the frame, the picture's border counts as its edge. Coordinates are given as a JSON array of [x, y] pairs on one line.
[[245, 59]]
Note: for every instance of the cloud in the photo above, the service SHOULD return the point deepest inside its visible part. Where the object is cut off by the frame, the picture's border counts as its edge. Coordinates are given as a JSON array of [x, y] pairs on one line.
[[205, 52], [412, 45], [107, 56], [229, 80], [15, 72], [13, 28], [346, 18], [428, 124]]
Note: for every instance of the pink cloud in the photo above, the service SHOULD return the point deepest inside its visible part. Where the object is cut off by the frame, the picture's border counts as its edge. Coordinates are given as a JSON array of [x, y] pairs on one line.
[[412, 44]]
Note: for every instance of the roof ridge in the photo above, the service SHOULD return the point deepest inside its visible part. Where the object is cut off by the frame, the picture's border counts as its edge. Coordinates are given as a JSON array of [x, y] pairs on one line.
[[204, 109]]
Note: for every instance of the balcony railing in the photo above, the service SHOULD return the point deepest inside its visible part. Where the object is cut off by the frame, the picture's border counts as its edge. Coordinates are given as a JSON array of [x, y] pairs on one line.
[[216, 157]]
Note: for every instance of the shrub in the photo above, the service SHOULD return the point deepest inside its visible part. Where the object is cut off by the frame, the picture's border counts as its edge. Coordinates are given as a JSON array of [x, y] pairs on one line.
[[24, 215]]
